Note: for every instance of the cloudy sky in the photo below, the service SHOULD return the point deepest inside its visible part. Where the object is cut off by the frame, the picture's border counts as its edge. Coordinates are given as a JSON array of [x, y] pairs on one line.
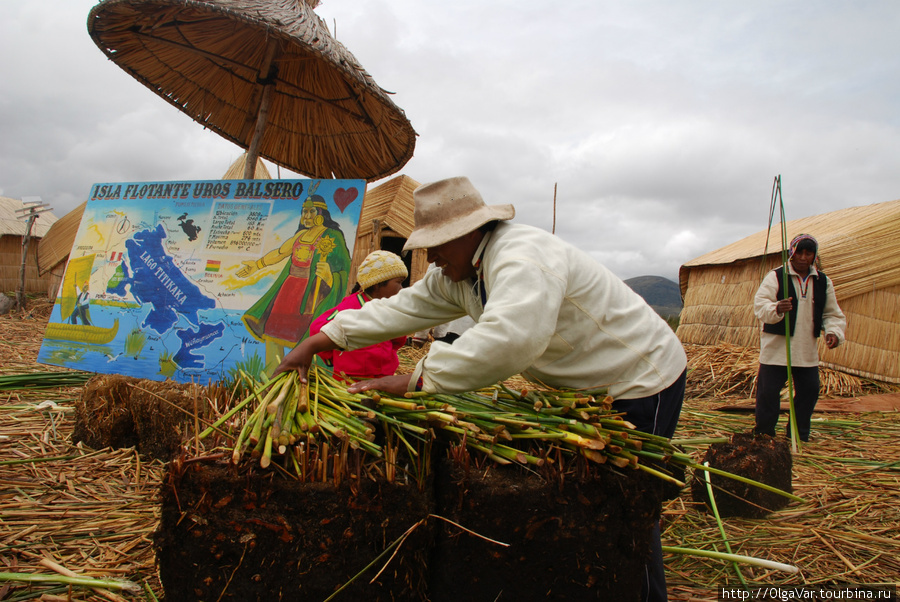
[[662, 124]]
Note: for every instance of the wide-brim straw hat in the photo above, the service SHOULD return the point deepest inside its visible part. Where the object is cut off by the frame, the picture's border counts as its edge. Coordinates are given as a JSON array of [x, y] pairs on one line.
[[239, 67], [448, 209]]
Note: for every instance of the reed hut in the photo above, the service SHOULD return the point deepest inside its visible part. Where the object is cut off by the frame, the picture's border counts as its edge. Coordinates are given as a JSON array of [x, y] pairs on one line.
[[859, 249], [12, 232], [236, 171], [385, 222]]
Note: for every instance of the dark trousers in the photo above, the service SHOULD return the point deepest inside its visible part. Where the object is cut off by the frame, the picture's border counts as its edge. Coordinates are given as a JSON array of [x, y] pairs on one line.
[[657, 414], [448, 338], [769, 383], [81, 312]]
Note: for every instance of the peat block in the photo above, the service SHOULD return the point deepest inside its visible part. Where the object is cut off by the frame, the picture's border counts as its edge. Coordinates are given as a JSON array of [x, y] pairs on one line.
[[163, 414], [244, 534], [102, 415], [758, 457], [155, 417], [576, 540], [231, 533]]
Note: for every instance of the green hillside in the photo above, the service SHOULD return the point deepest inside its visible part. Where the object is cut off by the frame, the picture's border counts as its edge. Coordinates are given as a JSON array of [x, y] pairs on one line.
[[660, 293]]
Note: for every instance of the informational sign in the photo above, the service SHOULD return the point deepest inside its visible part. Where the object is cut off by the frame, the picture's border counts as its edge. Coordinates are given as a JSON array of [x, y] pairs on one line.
[[197, 280]]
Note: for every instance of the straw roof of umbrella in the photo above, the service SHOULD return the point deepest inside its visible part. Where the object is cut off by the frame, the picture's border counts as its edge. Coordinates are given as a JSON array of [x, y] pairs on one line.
[[266, 75]]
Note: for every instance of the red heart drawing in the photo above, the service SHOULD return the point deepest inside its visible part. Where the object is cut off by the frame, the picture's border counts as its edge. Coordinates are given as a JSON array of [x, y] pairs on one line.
[[343, 197]]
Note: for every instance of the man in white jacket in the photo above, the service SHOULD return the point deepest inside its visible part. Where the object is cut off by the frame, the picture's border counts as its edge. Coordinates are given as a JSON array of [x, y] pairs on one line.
[[810, 307], [542, 308]]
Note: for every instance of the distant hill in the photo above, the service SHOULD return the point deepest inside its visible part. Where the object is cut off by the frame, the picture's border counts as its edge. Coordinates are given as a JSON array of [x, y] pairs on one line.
[[660, 293]]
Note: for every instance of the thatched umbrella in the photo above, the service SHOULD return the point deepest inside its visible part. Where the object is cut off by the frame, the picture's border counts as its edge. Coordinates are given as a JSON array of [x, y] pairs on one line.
[[265, 74]]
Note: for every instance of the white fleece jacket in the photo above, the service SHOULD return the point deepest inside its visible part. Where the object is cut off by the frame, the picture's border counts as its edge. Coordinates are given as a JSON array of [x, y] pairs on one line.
[[804, 345], [553, 314]]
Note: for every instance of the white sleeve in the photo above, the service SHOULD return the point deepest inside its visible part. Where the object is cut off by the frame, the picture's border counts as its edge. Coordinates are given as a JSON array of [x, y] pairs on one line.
[[833, 320], [517, 325], [425, 304], [764, 302]]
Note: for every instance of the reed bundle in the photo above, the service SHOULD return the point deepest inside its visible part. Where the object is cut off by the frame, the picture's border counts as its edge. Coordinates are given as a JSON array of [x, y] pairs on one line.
[[16, 380], [488, 421], [726, 370], [530, 428], [721, 370]]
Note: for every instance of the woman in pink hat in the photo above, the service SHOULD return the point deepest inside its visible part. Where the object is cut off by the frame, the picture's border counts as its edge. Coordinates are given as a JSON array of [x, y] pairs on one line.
[[380, 276]]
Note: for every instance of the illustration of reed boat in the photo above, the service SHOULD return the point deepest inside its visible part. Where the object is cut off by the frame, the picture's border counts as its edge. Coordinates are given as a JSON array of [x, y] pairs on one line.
[[74, 304], [79, 333]]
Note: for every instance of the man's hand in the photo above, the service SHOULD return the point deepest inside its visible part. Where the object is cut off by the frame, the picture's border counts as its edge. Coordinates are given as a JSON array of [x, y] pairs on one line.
[[396, 384], [785, 305], [831, 341], [300, 358]]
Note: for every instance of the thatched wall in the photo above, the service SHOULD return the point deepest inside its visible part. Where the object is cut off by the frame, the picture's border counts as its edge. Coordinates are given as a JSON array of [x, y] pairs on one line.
[[11, 263], [860, 252], [13, 227], [385, 222], [718, 305], [872, 349], [718, 308]]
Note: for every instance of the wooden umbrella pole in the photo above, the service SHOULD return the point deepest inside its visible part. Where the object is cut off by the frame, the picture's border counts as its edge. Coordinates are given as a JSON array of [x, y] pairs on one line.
[[267, 76]]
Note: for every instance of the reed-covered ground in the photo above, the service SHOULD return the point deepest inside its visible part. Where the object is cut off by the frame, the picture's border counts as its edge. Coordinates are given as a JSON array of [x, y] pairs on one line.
[[64, 507]]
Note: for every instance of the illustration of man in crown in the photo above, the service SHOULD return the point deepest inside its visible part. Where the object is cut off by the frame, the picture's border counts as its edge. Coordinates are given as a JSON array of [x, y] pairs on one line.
[[314, 280]]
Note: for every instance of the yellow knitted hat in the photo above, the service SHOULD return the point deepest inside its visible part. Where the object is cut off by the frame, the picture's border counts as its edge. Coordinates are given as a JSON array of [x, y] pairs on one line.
[[380, 266]]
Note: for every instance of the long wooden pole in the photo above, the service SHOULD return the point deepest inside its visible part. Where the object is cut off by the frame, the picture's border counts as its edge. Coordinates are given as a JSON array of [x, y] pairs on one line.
[[267, 74], [20, 294], [553, 230]]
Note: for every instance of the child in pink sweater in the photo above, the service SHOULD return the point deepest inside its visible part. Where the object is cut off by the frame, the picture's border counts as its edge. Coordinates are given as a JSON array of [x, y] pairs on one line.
[[380, 275]]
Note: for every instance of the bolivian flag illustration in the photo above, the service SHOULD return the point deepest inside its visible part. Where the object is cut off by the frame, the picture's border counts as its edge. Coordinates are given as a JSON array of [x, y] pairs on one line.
[[212, 265]]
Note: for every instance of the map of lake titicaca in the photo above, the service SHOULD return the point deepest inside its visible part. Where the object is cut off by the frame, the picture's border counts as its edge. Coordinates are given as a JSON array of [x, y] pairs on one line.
[[196, 280]]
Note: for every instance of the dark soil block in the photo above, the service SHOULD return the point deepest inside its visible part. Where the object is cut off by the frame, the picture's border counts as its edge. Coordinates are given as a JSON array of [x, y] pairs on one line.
[[102, 415], [164, 414], [581, 539], [244, 534], [247, 535], [758, 457]]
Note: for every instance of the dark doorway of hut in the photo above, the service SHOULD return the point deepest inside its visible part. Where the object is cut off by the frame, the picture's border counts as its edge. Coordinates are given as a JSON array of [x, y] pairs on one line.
[[394, 244]]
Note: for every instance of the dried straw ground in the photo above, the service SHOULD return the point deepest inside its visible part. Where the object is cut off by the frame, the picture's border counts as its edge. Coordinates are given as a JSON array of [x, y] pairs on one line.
[[93, 512]]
